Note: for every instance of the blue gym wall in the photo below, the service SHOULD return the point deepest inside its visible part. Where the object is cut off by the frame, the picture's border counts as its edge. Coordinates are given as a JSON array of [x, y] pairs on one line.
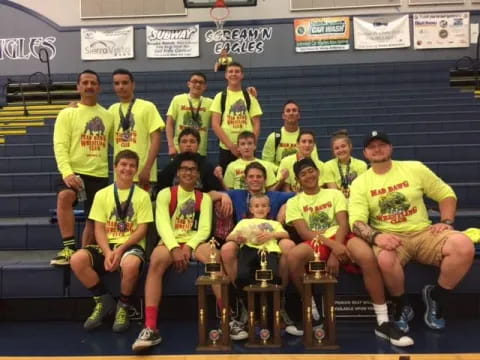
[[19, 22]]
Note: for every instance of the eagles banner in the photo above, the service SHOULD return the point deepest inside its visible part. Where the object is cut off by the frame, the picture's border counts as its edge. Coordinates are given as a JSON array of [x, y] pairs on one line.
[[385, 32], [107, 43]]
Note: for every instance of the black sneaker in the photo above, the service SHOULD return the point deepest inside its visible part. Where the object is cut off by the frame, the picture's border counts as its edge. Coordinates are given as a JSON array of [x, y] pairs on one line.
[[391, 332], [147, 338]]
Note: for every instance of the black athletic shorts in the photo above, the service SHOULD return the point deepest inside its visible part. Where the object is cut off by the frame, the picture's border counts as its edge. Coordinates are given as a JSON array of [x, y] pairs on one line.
[[98, 259], [92, 185]]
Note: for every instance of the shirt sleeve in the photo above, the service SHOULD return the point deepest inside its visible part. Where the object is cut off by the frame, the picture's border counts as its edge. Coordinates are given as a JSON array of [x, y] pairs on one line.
[[205, 223], [358, 203], [268, 152], [97, 212], [144, 210], [172, 109], [217, 104], [229, 178], [62, 142], [255, 109], [293, 212], [155, 119], [434, 187], [271, 177], [163, 220]]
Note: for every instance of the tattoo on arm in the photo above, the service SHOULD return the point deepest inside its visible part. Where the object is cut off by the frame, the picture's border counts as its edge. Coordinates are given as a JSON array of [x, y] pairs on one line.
[[364, 231]]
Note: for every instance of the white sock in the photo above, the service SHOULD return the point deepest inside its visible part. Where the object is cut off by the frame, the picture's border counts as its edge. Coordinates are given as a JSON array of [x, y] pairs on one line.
[[381, 311]]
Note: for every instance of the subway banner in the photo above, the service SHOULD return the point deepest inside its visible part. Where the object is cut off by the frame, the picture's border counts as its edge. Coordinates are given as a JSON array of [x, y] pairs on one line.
[[442, 30], [172, 41], [322, 34], [107, 43], [385, 32]]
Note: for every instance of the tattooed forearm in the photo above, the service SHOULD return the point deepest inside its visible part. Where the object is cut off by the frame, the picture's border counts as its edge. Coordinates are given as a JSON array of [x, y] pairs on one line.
[[364, 231]]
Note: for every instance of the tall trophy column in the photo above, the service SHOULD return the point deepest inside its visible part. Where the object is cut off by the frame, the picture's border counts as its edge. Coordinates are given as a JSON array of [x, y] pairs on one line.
[[262, 288], [217, 340], [317, 275]]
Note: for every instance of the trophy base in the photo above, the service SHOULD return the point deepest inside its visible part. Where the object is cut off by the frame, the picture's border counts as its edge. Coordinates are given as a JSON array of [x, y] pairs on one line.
[[260, 344], [320, 346], [214, 347]]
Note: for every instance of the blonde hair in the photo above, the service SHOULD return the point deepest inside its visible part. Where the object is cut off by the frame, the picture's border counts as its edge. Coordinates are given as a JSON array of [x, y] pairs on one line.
[[257, 197], [340, 134]]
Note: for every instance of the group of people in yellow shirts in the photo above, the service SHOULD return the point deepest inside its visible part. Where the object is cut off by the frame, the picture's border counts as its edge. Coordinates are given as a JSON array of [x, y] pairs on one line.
[[371, 221]]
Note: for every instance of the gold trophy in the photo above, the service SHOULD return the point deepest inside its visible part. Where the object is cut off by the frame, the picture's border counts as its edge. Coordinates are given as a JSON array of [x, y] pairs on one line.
[[263, 275], [212, 268], [316, 266]]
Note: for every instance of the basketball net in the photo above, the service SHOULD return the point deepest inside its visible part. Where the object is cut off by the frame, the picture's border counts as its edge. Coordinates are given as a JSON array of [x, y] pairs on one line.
[[219, 12]]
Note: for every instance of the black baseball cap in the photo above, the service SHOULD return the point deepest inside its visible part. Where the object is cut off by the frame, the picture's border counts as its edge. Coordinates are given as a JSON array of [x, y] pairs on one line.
[[375, 135], [302, 164]]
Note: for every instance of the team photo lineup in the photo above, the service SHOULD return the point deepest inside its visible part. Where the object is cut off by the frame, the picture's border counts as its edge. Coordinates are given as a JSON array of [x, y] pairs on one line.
[[290, 204]]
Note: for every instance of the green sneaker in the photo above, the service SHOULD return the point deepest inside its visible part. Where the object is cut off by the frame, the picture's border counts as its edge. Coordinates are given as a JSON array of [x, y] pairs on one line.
[[63, 257], [122, 321], [105, 305]]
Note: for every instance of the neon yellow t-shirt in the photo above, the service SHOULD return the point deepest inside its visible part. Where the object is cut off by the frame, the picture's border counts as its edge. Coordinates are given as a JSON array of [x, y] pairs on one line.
[[287, 146], [235, 173], [250, 227], [225, 60], [317, 210], [104, 211], [288, 162], [393, 202], [332, 174], [237, 117], [80, 140], [144, 120], [177, 229], [183, 113]]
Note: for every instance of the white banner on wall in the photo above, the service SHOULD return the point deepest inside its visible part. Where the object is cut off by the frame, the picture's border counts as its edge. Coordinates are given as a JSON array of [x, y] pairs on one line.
[[242, 40], [107, 43], [172, 41], [442, 30], [386, 32]]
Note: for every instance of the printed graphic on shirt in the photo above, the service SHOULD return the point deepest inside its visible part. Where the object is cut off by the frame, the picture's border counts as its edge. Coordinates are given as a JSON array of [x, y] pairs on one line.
[[188, 120], [317, 219], [114, 218], [237, 115], [265, 227], [394, 205], [93, 136], [288, 149], [186, 212], [125, 137]]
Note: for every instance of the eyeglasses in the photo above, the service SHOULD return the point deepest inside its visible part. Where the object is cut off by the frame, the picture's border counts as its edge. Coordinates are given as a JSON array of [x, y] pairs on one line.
[[197, 82], [187, 169]]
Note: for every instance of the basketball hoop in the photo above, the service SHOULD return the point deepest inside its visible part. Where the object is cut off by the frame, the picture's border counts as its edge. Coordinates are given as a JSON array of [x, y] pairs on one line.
[[219, 12]]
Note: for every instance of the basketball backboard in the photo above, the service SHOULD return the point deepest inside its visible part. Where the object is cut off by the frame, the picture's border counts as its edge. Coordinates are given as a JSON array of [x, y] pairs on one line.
[[210, 3]]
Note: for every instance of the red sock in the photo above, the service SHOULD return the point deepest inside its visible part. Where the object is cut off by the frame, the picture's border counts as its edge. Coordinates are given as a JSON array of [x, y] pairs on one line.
[[151, 314]]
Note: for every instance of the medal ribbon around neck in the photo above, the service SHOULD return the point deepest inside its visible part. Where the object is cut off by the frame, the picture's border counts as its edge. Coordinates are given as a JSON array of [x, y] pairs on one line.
[[344, 178], [122, 211], [196, 113], [125, 119]]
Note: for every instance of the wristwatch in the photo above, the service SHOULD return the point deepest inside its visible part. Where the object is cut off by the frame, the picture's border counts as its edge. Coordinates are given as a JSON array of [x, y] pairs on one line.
[[447, 222]]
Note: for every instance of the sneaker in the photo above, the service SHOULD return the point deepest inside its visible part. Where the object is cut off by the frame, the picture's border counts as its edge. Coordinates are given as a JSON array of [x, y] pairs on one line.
[[122, 321], [390, 331], [243, 318], [315, 313], [296, 329], [287, 321], [147, 338], [63, 257], [433, 313], [402, 318], [237, 332], [103, 307]]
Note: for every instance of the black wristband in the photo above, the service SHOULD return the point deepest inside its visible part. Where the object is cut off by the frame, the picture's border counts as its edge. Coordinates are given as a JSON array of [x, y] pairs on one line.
[[373, 236]]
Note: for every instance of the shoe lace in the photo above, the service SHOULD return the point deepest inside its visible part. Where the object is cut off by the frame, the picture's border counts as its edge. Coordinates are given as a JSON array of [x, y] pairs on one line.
[[121, 316], [97, 310], [145, 334], [436, 309]]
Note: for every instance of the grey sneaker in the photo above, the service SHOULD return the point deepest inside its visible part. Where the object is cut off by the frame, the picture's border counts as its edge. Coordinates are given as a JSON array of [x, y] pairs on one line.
[[147, 338], [237, 332], [122, 321], [433, 311], [63, 257], [104, 306], [403, 316]]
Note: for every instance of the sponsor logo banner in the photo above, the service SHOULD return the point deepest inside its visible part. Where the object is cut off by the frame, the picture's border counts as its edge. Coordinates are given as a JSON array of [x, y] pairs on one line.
[[107, 43], [442, 30], [322, 34], [386, 32], [244, 40], [172, 41]]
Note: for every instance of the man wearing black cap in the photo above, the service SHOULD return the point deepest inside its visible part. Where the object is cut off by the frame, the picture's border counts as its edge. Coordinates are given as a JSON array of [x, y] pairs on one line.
[[322, 214], [387, 211]]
